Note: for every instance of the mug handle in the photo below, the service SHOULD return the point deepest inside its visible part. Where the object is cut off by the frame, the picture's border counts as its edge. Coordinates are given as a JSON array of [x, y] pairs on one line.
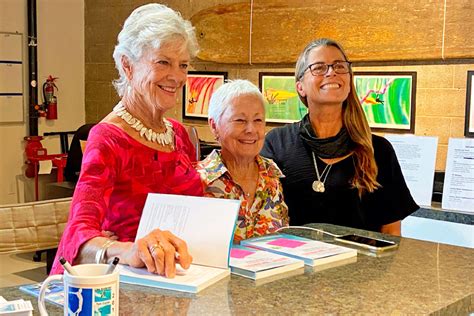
[[42, 292]]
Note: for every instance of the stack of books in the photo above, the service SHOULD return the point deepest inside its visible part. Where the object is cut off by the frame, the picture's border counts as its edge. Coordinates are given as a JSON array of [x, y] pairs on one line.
[[269, 255]]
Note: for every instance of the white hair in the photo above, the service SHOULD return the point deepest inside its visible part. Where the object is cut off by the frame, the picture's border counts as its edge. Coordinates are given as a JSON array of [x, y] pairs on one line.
[[150, 26], [222, 98]]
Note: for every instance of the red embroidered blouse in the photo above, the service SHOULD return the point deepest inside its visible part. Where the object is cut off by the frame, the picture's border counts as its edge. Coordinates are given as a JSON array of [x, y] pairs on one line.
[[117, 174]]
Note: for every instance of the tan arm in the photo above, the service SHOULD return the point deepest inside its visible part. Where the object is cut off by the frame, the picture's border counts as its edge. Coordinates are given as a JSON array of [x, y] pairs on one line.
[[394, 228]]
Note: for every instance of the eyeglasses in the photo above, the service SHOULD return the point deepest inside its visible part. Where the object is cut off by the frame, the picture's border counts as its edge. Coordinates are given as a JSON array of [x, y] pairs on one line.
[[339, 67]]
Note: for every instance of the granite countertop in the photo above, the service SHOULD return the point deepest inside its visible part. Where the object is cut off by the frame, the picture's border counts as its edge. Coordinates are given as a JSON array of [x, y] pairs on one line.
[[445, 215], [418, 278]]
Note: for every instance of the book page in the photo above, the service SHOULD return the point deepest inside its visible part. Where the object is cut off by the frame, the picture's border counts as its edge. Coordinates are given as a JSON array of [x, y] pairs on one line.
[[458, 189], [174, 217], [417, 158], [206, 224]]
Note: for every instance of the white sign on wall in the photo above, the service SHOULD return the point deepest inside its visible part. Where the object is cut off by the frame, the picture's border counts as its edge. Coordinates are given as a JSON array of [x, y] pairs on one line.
[[417, 158], [11, 78], [458, 189]]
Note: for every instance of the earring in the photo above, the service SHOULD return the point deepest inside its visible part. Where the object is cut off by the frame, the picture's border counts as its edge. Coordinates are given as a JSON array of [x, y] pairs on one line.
[[129, 89]]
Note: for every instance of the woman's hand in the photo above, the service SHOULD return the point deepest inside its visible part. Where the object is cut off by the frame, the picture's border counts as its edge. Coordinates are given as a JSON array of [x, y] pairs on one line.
[[158, 252]]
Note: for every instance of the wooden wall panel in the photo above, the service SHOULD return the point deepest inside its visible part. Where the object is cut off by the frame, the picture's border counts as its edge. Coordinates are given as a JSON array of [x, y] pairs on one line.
[[223, 33], [370, 31], [459, 40]]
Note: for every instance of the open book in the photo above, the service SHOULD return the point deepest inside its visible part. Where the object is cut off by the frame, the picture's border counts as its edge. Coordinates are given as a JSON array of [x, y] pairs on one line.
[[206, 224], [312, 252], [256, 264]]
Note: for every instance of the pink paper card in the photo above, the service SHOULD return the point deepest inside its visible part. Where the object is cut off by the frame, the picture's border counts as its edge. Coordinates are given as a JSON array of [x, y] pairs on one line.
[[240, 253], [288, 243]]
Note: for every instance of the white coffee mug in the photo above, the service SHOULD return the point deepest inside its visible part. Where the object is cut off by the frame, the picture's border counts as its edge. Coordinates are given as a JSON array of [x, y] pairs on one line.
[[90, 292]]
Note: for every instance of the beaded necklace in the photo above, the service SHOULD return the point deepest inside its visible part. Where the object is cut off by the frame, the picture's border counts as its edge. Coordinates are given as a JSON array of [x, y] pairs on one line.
[[164, 139]]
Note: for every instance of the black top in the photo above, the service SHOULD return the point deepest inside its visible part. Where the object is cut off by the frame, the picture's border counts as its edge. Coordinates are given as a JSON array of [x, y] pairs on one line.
[[339, 204]]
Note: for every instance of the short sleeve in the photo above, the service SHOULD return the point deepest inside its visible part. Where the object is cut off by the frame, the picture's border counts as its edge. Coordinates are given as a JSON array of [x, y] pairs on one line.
[[268, 150], [393, 201]]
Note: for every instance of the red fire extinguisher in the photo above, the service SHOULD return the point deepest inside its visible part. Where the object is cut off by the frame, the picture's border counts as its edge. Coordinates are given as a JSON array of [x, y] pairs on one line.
[[50, 100]]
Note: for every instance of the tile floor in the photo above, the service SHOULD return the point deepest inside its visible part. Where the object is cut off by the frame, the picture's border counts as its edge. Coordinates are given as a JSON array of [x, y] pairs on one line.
[[18, 269]]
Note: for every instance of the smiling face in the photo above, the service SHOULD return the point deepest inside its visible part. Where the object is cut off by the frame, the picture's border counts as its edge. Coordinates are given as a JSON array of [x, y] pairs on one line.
[[327, 89], [157, 77], [241, 128]]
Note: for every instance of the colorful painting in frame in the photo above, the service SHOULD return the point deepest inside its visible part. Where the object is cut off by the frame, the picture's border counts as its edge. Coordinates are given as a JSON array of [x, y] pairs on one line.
[[469, 121], [198, 90], [388, 99], [282, 104]]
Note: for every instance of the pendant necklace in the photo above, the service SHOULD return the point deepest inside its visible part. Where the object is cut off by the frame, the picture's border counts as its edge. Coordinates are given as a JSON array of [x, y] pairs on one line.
[[318, 185]]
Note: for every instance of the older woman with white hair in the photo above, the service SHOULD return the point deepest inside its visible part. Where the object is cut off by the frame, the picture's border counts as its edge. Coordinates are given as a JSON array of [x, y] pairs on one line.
[[237, 171], [135, 150]]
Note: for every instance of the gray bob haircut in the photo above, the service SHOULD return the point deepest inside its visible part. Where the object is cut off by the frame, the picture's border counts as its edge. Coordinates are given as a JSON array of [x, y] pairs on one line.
[[150, 26], [222, 98], [303, 63]]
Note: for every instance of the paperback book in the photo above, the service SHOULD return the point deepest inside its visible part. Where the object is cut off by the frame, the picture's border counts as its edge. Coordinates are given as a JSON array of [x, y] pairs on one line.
[[312, 252], [54, 292], [193, 280], [193, 219], [17, 307], [257, 264]]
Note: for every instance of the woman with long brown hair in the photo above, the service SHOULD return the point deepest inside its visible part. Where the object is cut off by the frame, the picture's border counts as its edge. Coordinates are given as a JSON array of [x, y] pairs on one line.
[[336, 170]]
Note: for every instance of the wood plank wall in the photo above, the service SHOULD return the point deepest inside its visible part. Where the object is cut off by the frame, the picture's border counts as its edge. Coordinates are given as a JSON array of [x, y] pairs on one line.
[[371, 30], [400, 29]]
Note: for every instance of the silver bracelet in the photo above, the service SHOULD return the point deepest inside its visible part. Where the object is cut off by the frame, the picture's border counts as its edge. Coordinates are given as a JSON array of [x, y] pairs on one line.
[[100, 254]]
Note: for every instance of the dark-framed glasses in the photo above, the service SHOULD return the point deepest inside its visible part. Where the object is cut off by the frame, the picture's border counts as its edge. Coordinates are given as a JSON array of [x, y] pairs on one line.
[[339, 67]]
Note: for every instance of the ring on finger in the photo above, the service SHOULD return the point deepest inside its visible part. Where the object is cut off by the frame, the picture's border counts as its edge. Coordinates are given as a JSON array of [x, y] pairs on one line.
[[154, 247]]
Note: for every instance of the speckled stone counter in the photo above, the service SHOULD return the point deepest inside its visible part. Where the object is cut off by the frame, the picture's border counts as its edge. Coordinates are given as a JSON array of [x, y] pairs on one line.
[[418, 278], [445, 215]]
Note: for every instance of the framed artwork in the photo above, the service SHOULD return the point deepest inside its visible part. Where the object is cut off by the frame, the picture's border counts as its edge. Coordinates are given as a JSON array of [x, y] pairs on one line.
[[388, 100], [469, 121], [198, 90], [282, 104]]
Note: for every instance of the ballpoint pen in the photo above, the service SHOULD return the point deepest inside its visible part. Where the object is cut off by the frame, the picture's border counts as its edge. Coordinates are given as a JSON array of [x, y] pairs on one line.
[[112, 265], [67, 266]]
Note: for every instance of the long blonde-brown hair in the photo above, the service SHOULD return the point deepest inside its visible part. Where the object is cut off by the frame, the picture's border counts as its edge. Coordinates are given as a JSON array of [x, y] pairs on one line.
[[353, 118]]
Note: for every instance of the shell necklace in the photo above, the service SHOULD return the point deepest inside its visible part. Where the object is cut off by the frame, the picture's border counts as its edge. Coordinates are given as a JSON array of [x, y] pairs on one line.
[[164, 139], [318, 185]]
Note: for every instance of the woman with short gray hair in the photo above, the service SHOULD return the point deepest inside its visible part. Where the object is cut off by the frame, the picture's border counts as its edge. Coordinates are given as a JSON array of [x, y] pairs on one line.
[[237, 171], [163, 26], [135, 150]]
